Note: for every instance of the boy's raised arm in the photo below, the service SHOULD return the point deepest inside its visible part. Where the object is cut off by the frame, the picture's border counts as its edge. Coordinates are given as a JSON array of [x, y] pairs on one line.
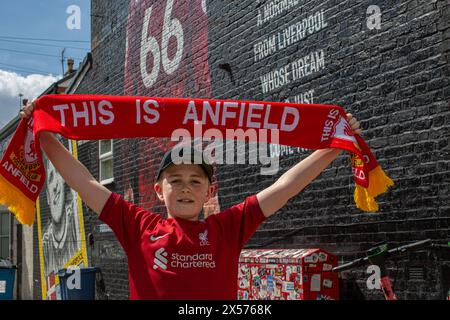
[[74, 173], [298, 177]]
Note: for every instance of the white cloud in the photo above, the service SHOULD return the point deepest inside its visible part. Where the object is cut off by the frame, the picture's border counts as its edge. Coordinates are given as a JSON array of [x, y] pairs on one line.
[[11, 84]]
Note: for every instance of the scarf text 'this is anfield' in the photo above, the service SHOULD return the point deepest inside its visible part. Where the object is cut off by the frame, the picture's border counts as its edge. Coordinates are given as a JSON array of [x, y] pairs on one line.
[[92, 117]]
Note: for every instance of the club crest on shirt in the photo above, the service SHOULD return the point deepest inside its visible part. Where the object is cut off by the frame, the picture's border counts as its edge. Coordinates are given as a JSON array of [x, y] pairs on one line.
[[203, 237], [160, 260]]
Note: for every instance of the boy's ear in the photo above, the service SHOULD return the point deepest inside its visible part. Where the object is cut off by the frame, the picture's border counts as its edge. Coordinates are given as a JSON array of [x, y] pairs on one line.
[[210, 193], [158, 189]]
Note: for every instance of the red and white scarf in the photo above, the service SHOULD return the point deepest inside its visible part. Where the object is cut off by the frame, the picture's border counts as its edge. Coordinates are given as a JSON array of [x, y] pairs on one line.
[[92, 117]]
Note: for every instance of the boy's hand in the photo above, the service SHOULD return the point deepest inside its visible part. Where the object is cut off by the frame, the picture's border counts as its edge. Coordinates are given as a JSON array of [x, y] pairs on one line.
[[354, 123], [27, 111]]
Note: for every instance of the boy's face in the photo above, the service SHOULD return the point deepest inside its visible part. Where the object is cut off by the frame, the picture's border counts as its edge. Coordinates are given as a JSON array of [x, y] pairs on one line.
[[184, 189]]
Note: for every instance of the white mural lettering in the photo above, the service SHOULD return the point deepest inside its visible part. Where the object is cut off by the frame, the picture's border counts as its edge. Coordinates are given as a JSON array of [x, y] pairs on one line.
[[308, 64], [296, 70], [304, 97], [274, 8], [290, 35]]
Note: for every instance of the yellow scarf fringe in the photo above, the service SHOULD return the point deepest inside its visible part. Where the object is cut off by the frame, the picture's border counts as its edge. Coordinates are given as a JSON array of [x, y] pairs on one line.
[[22, 207], [379, 182]]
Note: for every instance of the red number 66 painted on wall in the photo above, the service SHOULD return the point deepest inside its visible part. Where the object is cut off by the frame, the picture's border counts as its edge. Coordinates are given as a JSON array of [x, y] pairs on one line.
[[167, 49], [171, 28]]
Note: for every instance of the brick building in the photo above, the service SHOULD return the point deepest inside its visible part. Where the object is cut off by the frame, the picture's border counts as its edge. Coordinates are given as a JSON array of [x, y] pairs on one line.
[[17, 242], [385, 61]]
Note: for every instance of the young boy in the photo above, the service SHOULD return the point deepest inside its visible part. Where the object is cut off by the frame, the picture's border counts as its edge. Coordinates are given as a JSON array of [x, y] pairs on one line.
[[182, 257]]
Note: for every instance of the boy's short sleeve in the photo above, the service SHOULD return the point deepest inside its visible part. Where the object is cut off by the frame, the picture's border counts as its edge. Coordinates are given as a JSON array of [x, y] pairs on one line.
[[241, 220], [127, 220]]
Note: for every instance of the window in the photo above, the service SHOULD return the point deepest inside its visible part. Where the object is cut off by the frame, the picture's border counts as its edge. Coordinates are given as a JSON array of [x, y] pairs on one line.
[[106, 161], [4, 232]]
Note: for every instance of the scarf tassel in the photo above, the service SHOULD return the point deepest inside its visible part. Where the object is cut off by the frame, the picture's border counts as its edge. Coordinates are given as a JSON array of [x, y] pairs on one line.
[[379, 182], [21, 206]]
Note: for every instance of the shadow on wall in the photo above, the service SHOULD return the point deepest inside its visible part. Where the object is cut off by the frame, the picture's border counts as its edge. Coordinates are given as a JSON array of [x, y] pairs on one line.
[[445, 271], [349, 289]]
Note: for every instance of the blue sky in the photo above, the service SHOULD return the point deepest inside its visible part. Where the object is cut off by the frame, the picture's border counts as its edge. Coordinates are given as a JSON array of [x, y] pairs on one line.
[[29, 66]]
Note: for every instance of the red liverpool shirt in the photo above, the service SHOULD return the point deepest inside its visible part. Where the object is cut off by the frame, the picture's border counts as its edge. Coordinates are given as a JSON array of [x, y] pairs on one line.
[[181, 259]]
